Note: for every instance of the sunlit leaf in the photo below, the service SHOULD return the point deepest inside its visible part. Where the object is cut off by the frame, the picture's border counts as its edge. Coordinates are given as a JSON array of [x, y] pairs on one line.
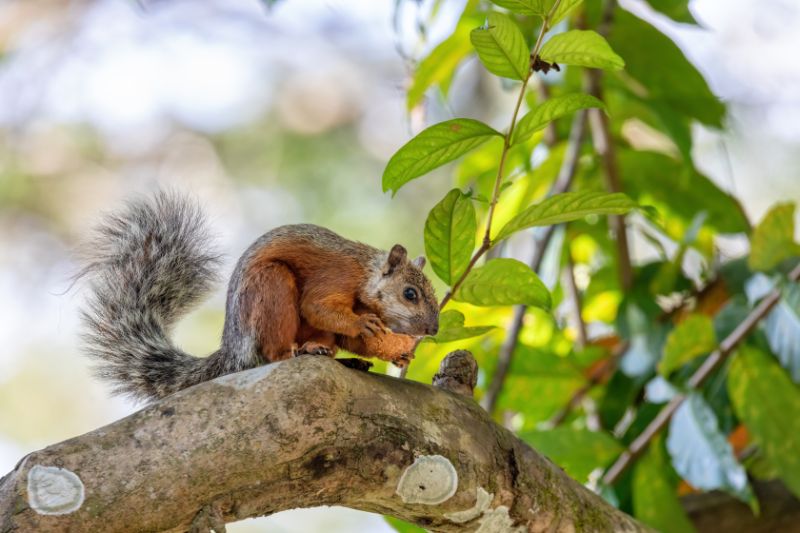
[[690, 339], [501, 47], [578, 451], [540, 116], [523, 7], [563, 10], [503, 281], [700, 452], [450, 236], [565, 207], [440, 65], [583, 48], [773, 238], [432, 148], [655, 497], [452, 328], [402, 526], [768, 403]]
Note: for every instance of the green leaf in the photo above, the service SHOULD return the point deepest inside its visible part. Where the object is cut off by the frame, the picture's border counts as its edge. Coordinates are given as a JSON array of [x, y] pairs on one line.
[[523, 7], [583, 48], [690, 339], [677, 10], [450, 236], [655, 498], [501, 47], [674, 82], [700, 452], [402, 526], [577, 451], [432, 148], [440, 65], [565, 207], [782, 329], [503, 282], [679, 193], [773, 239], [563, 10], [451, 328], [768, 403], [539, 384], [549, 110]]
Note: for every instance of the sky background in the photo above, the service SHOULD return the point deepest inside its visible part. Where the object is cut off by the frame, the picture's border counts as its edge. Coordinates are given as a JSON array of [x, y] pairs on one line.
[[269, 117]]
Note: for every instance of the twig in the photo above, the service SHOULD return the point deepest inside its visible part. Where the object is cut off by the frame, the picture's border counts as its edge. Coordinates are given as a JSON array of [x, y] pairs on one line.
[[575, 296], [564, 181], [711, 363], [486, 244]]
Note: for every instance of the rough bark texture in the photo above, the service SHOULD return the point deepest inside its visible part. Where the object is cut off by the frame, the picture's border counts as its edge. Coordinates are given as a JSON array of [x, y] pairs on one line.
[[717, 512], [300, 433]]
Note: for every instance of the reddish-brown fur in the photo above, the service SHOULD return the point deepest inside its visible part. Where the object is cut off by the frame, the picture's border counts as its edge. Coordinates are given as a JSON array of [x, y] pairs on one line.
[[299, 297]]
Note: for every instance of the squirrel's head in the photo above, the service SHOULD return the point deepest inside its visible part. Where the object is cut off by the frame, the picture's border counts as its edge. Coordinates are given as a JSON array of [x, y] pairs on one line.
[[404, 296]]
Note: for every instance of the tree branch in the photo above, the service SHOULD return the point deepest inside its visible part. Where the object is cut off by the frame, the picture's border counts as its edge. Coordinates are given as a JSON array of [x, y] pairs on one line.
[[300, 433], [712, 362]]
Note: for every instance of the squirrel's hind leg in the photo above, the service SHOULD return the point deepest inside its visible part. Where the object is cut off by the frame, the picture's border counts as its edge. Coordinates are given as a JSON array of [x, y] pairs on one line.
[[273, 310]]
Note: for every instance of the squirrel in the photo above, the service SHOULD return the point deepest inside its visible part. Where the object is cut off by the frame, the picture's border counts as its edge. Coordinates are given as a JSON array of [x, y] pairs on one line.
[[298, 289]]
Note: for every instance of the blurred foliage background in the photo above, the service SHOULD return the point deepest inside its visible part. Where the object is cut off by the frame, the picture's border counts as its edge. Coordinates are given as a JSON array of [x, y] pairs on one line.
[[289, 112]]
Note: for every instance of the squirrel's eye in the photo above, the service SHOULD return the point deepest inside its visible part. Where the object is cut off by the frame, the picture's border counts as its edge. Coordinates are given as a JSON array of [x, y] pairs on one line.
[[410, 294]]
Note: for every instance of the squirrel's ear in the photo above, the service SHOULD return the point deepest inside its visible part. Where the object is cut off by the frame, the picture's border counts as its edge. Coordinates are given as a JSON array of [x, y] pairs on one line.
[[419, 262], [397, 256]]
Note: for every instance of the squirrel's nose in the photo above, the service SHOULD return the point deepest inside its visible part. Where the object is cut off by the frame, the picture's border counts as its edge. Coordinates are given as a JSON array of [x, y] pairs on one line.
[[433, 329]]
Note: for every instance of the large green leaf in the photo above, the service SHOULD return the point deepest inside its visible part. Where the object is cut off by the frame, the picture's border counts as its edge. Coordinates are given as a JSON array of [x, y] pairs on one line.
[[432, 148], [583, 48], [501, 47], [539, 384], [452, 328], [690, 339], [565, 207], [578, 451], [768, 403], [503, 281], [655, 497], [540, 116], [700, 452], [450, 236], [773, 238], [782, 328], [679, 193], [654, 62]]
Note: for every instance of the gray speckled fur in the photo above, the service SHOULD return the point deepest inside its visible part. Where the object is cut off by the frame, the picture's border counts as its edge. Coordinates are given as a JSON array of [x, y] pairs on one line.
[[147, 266]]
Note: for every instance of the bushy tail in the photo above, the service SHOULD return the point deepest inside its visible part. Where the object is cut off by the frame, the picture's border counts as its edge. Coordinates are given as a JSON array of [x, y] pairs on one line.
[[147, 265]]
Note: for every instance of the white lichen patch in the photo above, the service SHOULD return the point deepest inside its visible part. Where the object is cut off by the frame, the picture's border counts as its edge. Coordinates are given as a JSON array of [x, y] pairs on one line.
[[431, 479], [482, 501], [498, 520], [53, 490], [246, 379]]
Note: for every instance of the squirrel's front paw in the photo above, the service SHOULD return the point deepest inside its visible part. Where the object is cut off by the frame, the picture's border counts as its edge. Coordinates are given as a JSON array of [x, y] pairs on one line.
[[404, 360], [369, 325]]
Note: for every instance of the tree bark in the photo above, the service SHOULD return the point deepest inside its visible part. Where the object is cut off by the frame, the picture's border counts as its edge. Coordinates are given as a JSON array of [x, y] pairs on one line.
[[300, 433]]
